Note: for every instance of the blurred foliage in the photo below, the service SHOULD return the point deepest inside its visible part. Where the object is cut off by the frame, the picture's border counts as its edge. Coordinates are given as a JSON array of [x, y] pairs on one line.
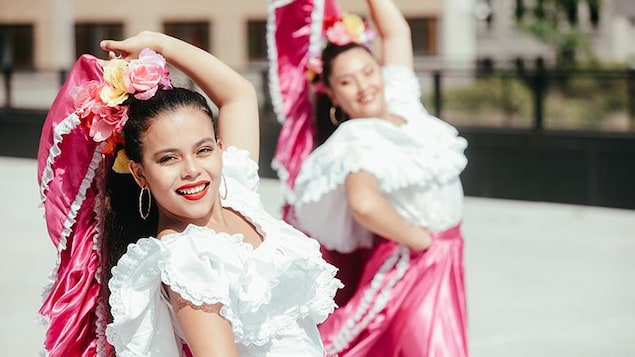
[[492, 101], [580, 100], [555, 22], [587, 102]]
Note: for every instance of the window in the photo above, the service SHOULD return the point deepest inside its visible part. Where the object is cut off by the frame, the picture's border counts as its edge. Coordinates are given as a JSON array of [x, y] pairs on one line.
[[196, 33], [88, 35], [256, 40], [424, 36], [16, 46]]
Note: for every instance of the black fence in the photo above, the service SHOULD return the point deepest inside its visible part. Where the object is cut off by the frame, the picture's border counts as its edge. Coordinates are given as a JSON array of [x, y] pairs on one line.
[[544, 135]]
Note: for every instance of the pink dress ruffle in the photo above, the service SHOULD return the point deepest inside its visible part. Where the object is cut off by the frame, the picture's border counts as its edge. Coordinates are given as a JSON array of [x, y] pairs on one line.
[[70, 165], [424, 295]]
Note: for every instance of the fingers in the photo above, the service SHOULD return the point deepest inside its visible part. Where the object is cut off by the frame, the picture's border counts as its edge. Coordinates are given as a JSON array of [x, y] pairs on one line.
[[129, 47]]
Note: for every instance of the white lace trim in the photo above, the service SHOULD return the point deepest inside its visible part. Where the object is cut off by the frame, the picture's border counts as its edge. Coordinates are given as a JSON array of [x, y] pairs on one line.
[[64, 127], [72, 214], [351, 328], [272, 51], [68, 225], [317, 15], [120, 273], [240, 166], [283, 177], [101, 308]]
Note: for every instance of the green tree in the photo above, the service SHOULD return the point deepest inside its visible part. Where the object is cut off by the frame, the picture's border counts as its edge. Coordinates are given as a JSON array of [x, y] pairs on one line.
[[555, 22]]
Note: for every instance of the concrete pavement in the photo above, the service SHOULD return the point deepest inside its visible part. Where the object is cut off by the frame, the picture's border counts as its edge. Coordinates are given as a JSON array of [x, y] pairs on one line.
[[542, 279]]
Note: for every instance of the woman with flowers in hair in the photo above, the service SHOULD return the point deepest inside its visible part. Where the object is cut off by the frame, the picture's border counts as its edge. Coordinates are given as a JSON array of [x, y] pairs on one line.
[[380, 189], [164, 246]]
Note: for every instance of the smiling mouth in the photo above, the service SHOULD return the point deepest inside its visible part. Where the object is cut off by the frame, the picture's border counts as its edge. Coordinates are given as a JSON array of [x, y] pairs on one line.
[[366, 98], [194, 192]]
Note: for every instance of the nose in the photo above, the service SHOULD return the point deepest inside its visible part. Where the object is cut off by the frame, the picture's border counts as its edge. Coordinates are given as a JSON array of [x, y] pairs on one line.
[[362, 84], [190, 168]]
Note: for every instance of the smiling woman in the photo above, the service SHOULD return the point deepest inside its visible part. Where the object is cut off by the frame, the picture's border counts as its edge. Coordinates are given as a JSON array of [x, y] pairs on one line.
[[380, 189], [165, 210]]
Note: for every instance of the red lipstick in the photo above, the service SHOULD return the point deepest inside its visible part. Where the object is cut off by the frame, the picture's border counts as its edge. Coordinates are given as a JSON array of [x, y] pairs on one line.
[[194, 191]]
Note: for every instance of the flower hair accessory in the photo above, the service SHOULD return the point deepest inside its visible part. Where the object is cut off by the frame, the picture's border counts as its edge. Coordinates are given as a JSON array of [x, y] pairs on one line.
[[100, 104], [348, 28]]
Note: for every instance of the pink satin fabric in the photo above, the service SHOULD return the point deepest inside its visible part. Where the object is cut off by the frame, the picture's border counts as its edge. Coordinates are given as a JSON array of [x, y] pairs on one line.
[[70, 307], [426, 312], [292, 35]]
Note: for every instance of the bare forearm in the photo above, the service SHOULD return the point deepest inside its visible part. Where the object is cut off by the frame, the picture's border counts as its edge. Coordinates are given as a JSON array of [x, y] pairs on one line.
[[238, 119], [388, 18], [394, 32], [373, 211], [219, 81]]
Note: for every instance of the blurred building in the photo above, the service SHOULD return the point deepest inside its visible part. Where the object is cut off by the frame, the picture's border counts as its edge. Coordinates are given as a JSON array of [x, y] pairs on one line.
[[49, 34], [500, 41]]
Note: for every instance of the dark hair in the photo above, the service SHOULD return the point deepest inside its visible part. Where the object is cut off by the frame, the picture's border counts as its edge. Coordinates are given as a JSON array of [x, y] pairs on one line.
[[141, 113], [122, 222], [323, 125]]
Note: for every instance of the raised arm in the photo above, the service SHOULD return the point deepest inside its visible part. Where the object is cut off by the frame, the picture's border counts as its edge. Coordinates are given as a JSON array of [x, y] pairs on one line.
[[396, 43], [235, 96], [375, 213]]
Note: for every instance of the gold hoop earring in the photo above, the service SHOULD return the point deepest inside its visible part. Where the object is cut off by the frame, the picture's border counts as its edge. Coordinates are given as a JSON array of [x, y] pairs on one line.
[[147, 211], [333, 117], [224, 186]]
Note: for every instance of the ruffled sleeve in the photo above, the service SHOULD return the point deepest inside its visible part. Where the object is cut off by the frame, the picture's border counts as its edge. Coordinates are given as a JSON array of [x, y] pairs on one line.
[[142, 324], [263, 292], [238, 165], [403, 92], [200, 264]]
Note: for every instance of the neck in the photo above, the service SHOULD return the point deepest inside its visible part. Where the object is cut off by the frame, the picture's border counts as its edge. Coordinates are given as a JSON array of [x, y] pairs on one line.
[[169, 223]]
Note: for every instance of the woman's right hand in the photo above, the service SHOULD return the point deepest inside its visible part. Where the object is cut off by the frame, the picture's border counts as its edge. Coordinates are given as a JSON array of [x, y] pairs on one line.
[[131, 46], [420, 239]]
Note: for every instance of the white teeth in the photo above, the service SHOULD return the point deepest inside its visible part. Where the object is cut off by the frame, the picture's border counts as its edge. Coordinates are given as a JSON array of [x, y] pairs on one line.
[[367, 98], [192, 190]]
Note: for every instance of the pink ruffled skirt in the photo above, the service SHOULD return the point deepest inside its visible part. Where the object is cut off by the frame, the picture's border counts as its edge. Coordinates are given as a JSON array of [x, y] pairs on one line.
[[400, 303]]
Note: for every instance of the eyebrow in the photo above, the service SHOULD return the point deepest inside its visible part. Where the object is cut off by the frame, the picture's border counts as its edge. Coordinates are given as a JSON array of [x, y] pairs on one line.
[[197, 144], [362, 69]]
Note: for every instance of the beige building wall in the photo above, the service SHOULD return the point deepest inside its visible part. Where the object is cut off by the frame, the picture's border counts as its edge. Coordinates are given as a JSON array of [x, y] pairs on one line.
[[54, 21]]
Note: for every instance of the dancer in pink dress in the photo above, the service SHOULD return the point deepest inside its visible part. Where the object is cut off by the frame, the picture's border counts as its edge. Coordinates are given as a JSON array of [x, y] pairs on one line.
[[380, 189], [164, 247]]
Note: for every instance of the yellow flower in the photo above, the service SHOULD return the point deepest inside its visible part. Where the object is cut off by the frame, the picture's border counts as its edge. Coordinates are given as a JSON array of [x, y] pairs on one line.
[[120, 165], [354, 25], [114, 73]]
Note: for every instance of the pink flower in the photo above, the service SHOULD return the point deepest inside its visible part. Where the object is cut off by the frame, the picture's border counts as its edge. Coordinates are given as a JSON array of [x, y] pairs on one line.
[[85, 97], [107, 120], [338, 34], [146, 74]]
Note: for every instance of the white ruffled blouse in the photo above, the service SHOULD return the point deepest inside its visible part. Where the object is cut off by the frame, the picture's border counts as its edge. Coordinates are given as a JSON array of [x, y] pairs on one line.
[[416, 164], [273, 295]]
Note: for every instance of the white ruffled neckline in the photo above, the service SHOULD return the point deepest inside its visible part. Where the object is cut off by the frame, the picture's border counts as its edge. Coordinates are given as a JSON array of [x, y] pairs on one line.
[[419, 152], [251, 307]]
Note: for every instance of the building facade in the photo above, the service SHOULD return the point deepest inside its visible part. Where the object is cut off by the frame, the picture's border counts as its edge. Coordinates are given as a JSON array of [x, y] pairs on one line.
[[499, 40], [49, 34]]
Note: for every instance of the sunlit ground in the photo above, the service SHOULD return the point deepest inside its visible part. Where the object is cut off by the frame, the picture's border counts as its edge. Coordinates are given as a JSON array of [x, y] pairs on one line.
[[542, 279]]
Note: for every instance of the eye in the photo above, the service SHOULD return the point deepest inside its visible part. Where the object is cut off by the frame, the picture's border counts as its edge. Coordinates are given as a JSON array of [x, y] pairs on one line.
[[166, 159], [369, 70], [205, 150]]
